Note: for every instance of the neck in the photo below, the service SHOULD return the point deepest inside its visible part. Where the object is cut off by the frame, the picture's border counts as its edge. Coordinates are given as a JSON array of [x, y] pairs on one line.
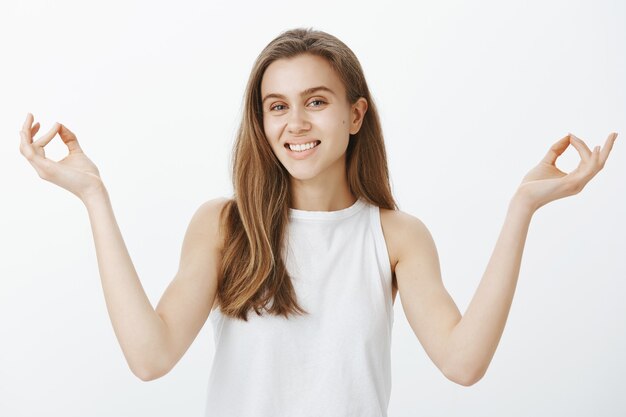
[[321, 194]]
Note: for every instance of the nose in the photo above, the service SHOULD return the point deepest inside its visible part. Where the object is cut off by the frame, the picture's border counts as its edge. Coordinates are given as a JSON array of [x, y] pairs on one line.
[[297, 121]]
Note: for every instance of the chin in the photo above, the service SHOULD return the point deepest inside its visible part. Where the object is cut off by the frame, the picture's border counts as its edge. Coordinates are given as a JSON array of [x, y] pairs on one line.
[[302, 175]]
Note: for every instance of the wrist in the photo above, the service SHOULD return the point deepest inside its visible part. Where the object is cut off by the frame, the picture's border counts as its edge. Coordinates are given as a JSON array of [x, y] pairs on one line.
[[94, 195], [521, 202]]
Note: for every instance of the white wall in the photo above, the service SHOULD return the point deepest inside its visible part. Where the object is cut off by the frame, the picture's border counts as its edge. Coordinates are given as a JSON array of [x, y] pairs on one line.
[[471, 94]]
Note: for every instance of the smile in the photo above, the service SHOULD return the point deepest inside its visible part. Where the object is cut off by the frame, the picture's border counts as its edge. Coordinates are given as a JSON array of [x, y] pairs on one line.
[[302, 151], [303, 147]]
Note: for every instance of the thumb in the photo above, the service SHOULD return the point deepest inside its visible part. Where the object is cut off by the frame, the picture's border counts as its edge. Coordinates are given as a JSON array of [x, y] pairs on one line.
[[70, 139], [556, 150]]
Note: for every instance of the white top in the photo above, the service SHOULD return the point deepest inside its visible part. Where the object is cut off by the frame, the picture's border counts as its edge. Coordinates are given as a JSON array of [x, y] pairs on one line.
[[333, 362]]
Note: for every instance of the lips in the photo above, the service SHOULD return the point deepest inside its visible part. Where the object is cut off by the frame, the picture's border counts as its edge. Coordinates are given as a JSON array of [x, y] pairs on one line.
[[301, 141], [315, 142], [299, 155]]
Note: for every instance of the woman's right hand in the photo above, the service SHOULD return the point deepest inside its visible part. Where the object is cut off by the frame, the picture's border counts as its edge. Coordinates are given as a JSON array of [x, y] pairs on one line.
[[76, 173]]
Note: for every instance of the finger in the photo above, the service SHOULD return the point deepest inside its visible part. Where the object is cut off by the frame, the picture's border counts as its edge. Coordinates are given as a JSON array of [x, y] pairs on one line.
[[26, 132], [581, 147], [25, 139], [606, 149], [595, 155], [28, 122], [69, 138], [555, 150], [26, 145], [28, 150], [30, 132], [45, 139]]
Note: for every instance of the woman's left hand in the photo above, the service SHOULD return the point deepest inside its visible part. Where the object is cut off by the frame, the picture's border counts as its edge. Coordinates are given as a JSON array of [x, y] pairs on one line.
[[545, 182]]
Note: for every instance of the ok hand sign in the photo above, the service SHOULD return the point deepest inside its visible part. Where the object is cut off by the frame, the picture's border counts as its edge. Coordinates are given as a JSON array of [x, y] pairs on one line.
[[545, 182], [76, 173]]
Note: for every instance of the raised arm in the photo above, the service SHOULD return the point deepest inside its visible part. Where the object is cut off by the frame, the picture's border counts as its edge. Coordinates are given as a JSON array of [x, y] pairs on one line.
[[152, 340], [462, 347]]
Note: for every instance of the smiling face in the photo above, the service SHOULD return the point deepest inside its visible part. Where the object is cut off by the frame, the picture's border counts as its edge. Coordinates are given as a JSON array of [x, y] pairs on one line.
[[304, 103]]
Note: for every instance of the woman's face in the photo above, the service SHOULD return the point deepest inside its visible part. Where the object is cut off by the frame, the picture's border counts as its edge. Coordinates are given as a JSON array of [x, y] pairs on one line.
[[295, 114]]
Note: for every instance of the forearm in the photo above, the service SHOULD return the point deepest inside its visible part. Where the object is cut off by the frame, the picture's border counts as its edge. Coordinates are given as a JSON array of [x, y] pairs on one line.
[[474, 339], [138, 328]]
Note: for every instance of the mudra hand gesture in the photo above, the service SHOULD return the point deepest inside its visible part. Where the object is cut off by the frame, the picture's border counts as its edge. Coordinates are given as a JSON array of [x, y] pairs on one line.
[[542, 184], [545, 182], [76, 173]]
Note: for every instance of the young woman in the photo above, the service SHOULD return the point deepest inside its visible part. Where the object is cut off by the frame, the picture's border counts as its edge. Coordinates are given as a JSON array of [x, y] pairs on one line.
[[299, 270]]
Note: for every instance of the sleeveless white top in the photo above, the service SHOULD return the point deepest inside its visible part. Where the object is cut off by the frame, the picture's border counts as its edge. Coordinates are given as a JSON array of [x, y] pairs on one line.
[[333, 362]]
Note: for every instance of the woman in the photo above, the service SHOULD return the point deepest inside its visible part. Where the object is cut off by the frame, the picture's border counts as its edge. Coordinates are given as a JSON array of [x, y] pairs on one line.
[[300, 269]]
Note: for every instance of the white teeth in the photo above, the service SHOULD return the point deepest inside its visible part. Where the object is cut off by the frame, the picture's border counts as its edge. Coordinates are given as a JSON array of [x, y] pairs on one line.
[[303, 147]]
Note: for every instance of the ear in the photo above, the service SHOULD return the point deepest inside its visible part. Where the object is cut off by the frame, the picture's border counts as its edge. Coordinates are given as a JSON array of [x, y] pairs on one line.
[[357, 114]]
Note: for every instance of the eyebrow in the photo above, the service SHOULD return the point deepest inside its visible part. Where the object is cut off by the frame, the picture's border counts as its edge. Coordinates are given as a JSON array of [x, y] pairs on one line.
[[302, 94]]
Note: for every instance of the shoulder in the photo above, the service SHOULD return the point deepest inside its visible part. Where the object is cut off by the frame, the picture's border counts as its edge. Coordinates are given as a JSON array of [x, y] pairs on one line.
[[402, 231], [214, 206], [209, 219]]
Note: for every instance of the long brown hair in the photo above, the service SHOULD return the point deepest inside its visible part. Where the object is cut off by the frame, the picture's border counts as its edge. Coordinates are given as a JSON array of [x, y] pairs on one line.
[[253, 272]]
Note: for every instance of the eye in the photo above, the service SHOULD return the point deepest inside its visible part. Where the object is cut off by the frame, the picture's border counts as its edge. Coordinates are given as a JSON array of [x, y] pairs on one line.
[[273, 107], [318, 101]]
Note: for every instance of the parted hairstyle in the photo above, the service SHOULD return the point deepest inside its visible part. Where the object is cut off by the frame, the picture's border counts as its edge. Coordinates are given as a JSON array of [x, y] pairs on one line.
[[252, 273]]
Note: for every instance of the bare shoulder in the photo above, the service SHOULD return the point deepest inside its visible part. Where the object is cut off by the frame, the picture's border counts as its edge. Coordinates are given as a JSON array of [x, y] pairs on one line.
[[402, 231], [190, 296], [209, 219]]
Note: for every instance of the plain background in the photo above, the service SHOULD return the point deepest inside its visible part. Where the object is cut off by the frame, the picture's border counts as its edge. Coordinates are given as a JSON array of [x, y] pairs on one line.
[[471, 95]]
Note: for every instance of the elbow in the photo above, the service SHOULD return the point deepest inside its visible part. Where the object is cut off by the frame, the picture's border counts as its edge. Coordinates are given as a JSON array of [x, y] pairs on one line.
[[469, 380], [148, 373], [145, 375], [464, 377], [148, 359]]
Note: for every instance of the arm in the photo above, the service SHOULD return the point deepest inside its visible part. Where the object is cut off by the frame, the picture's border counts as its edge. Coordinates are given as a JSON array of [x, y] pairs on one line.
[[462, 346], [473, 341], [154, 340], [139, 330]]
